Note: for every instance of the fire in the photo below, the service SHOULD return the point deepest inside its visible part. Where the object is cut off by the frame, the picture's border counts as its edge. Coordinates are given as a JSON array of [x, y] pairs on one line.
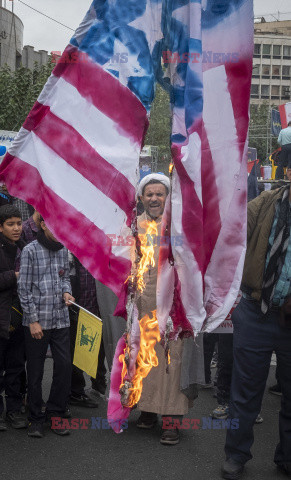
[[148, 253], [146, 359], [131, 389]]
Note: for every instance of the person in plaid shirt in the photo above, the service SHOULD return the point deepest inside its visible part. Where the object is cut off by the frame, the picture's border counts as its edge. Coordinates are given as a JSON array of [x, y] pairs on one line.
[[45, 292]]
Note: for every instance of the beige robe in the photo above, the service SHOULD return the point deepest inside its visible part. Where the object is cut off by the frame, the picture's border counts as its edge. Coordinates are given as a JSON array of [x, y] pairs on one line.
[[161, 390]]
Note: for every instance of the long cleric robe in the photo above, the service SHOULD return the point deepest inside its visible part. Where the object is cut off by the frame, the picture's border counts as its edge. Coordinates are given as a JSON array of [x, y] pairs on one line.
[[161, 391]]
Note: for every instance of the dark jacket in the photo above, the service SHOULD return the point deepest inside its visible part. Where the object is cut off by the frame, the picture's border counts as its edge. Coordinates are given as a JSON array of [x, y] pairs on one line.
[[261, 212], [8, 281]]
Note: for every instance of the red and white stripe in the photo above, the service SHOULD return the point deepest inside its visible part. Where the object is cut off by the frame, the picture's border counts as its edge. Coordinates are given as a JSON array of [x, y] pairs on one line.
[[76, 160]]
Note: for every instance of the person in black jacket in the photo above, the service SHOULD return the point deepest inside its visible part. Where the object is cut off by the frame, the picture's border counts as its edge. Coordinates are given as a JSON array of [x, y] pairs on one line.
[[12, 357]]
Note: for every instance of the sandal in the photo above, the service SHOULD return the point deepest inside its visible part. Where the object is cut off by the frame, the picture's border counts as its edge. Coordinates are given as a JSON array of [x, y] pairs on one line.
[[170, 437]]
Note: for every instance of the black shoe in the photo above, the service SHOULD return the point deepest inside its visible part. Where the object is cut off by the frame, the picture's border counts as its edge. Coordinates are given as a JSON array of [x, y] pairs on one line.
[[16, 420], [62, 432], [232, 470], [284, 468], [170, 437], [35, 430], [275, 390], [83, 401], [3, 426], [68, 413], [147, 420], [99, 389]]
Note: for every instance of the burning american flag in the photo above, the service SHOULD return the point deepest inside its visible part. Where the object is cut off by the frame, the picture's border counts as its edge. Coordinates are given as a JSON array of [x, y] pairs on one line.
[[76, 158]]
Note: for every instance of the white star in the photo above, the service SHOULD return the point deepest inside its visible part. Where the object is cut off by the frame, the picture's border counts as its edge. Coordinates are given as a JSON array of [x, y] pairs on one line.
[[150, 23], [125, 63]]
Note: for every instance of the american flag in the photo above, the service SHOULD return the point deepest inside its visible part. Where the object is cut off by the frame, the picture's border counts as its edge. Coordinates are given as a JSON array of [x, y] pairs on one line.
[[76, 158]]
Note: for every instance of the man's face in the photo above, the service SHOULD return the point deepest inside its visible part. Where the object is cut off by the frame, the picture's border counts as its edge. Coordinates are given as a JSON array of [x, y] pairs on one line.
[[12, 228], [154, 199], [288, 173], [49, 235]]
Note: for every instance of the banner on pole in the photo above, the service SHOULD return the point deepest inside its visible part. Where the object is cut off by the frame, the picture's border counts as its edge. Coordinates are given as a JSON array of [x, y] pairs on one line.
[[88, 340], [276, 125]]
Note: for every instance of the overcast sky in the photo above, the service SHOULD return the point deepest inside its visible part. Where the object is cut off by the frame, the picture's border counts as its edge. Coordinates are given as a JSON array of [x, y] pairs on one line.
[[44, 34]]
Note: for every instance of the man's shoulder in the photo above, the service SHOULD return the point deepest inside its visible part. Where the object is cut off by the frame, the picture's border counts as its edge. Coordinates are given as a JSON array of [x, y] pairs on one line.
[[32, 246], [270, 195]]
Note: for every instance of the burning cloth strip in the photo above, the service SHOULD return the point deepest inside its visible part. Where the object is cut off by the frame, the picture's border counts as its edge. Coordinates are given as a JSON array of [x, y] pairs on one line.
[[139, 356]]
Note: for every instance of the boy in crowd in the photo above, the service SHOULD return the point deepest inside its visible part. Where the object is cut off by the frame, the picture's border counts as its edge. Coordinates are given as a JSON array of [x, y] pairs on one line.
[[12, 359], [45, 293]]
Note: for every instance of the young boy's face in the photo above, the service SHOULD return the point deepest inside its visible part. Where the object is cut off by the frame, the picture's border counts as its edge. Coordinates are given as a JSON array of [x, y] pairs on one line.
[[12, 228]]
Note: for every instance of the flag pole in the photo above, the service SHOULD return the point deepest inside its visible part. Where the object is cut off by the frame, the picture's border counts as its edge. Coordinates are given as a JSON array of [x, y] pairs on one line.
[[87, 311]]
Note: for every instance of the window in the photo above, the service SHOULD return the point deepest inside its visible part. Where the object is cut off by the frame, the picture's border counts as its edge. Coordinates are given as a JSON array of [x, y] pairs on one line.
[[257, 49], [266, 49], [265, 90], [276, 70], [286, 51], [277, 50], [255, 90], [256, 70], [285, 92], [275, 90], [266, 70], [286, 71]]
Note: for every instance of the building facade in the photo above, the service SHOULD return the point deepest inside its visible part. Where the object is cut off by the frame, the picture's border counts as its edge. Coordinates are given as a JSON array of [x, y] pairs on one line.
[[30, 56], [271, 79], [12, 52], [11, 39]]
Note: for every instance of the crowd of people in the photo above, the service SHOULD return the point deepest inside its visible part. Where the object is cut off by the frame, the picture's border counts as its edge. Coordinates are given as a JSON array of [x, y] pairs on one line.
[[39, 279]]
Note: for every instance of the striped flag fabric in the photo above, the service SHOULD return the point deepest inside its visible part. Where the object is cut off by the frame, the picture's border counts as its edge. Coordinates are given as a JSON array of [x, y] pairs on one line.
[[76, 158], [285, 114], [209, 148]]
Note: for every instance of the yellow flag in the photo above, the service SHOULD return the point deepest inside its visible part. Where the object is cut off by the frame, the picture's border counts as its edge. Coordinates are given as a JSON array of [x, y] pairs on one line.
[[88, 340]]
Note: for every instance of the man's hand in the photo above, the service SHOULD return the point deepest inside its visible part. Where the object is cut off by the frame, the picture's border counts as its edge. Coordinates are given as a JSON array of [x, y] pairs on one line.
[[17, 275], [68, 299], [36, 330]]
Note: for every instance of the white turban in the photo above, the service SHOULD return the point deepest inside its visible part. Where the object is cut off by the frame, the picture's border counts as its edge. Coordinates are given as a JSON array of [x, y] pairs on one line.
[[160, 177]]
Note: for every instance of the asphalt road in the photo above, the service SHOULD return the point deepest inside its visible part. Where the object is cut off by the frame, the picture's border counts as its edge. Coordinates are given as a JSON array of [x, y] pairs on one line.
[[134, 454]]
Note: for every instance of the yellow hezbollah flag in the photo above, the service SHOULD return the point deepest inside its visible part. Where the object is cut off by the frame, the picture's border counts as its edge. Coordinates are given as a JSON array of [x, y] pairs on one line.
[[88, 340]]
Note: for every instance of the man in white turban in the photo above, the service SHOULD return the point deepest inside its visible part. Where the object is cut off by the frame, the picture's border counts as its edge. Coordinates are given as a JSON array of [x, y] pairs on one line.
[[161, 392]]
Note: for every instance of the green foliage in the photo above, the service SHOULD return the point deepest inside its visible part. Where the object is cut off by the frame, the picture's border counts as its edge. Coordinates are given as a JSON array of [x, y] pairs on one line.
[[260, 131], [18, 92], [160, 128]]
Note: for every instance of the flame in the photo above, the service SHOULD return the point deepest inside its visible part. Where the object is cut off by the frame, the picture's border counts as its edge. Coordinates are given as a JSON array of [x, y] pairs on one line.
[[148, 252], [146, 359], [131, 389]]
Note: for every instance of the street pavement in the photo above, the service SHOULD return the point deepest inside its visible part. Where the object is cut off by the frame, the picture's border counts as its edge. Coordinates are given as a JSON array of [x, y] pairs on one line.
[[135, 454]]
